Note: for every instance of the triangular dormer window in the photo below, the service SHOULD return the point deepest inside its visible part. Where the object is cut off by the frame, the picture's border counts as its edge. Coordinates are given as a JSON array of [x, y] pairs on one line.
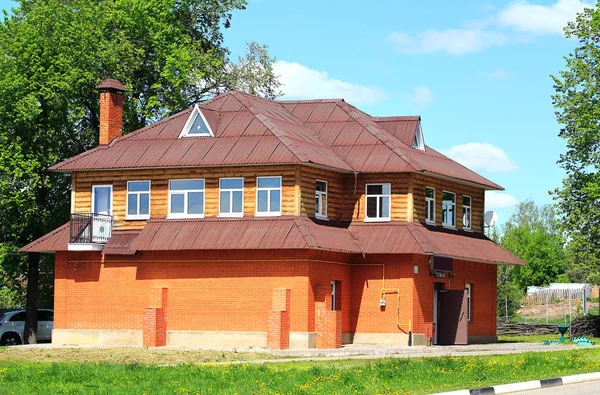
[[196, 125], [418, 142]]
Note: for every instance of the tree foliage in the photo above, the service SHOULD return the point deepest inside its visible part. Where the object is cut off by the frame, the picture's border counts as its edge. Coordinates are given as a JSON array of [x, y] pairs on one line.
[[577, 104], [531, 233], [168, 53]]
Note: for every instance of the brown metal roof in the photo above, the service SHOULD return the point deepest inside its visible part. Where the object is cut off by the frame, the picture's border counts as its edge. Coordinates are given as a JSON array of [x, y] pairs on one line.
[[251, 233], [120, 243], [243, 233], [57, 240], [252, 131], [416, 238], [109, 83]]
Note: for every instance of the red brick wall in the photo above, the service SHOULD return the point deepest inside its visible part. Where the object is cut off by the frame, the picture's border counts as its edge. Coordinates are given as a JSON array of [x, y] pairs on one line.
[[483, 280], [111, 116], [233, 291], [206, 290], [366, 315]]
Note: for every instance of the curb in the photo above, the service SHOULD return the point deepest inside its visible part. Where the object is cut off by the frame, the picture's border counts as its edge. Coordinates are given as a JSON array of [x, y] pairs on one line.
[[527, 385]]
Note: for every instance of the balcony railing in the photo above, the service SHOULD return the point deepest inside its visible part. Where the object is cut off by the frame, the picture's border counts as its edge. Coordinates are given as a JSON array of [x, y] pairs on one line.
[[90, 228]]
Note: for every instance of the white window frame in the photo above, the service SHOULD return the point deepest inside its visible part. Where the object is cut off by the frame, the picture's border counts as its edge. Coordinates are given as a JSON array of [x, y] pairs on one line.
[[231, 214], [427, 200], [446, 224], [468, 290], [269, 213], [467, 211], [138, 216], [321, 195], [378, 219], [185, 132], [94, 198], [185, 193]]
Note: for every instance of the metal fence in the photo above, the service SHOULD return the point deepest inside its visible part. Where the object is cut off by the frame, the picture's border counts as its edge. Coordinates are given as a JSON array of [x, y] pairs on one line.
[[90, 228], [549, 295]]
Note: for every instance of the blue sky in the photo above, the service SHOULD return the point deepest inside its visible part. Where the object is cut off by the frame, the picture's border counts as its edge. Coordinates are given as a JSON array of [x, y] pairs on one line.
[[478, 72]]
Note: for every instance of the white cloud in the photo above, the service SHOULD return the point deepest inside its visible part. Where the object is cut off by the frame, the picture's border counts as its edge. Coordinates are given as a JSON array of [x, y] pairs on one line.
[[481, 157], [451, 41], [422, 96], [515, 22], [497, 74], [301, 82], [531, 18], [495, 200]]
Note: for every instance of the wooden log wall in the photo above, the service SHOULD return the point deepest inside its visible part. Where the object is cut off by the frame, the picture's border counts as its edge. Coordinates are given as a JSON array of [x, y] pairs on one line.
[[420, 182], [83, 181], [345, 197]]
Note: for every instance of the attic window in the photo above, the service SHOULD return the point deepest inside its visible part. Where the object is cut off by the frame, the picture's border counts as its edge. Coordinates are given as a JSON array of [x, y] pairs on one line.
[[196, 125], [418, 141]]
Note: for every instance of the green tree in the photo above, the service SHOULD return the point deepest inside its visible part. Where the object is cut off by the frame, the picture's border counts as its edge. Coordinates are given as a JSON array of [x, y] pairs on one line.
[[168, 53], [532, 234], [577, 104]]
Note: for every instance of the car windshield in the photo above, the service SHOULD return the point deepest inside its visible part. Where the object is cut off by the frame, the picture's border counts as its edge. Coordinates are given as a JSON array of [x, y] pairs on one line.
[[2, 317]]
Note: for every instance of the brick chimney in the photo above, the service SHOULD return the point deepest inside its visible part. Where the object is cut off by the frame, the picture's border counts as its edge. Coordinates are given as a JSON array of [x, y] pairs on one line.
[[111, 110]]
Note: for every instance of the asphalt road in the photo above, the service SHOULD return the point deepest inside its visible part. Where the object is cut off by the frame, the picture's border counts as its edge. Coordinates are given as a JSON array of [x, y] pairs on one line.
[[587, 388]]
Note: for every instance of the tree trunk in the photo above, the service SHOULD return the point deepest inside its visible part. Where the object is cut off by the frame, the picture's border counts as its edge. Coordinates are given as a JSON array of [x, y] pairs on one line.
[[33, 272]]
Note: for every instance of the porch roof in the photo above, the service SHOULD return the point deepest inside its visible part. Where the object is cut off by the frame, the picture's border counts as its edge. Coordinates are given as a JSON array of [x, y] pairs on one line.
[[293, 233]]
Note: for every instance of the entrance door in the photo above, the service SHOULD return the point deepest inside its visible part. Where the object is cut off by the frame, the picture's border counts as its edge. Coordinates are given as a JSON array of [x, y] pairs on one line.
[[452, 317]]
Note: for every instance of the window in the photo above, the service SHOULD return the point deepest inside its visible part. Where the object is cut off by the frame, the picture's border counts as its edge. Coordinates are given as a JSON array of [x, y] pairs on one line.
[[430, 205], [18, 317], [468, 290], [138, 200], [186, 199], [45, 315], [336, 295], [418, 141], [378, 202], [321, 199], [268, 196], [231, 197], [102, 199], [196, 125], [467, 212], [448, 209]]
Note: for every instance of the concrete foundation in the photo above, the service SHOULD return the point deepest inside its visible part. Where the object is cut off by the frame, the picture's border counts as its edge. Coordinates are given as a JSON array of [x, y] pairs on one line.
[[379, 338], [97, 337], [217, 339]]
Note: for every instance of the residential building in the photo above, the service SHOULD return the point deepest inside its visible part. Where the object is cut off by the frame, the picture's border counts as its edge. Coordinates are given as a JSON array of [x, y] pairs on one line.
[[250, 222]]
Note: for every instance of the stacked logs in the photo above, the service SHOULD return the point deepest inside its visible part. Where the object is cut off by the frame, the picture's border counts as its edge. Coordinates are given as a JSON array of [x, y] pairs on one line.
[[586, 326], [510, 328]]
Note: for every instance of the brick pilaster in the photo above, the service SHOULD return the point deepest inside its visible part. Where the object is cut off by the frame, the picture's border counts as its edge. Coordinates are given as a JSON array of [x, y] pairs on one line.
[[328, 323], [278, 334]]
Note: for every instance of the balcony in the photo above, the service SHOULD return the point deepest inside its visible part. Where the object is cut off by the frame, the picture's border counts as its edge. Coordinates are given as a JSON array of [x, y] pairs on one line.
[[89, 232]]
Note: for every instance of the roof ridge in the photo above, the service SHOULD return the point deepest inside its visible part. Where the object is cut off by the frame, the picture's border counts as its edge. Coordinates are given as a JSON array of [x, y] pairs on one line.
[[276, 131], [392, 118], [305, 232], [381, 134], [151, 126], [411, 228], [333, 100]]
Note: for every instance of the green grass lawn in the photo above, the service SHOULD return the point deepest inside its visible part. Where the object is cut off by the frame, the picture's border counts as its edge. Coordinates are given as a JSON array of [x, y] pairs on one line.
[[385, 376]]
